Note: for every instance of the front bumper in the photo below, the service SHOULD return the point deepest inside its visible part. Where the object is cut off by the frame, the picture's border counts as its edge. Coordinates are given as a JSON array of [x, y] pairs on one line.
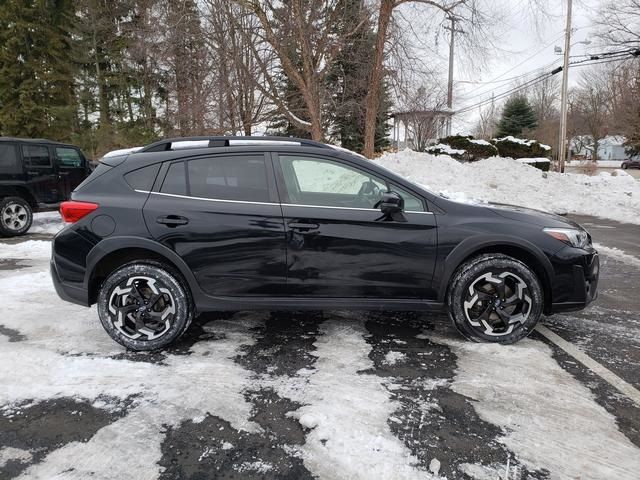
[[576, 284]]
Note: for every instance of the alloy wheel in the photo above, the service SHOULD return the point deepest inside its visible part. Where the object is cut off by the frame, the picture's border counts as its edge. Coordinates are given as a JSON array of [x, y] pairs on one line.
[[496, 302], [142, 308], [14, 216]]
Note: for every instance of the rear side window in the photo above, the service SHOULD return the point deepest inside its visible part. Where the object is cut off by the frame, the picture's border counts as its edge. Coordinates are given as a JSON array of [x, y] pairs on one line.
[[242, 178], [36, 155], [100, 170], [68, 157], [142, 178], [9, 160], [175, 181]]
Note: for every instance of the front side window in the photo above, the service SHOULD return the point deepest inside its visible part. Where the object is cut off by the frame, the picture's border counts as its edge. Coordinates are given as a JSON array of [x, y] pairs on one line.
[[68, 157], [241, 178], [322, 182], [36, 155]]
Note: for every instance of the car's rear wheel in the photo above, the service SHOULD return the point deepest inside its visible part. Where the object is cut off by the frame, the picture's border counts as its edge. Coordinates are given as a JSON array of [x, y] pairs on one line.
[[625, 166], [144, 306], [16, 216], [495, 298]]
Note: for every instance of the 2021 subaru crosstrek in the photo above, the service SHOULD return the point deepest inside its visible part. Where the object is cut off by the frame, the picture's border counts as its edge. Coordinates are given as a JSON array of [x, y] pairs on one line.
[[184, 226]]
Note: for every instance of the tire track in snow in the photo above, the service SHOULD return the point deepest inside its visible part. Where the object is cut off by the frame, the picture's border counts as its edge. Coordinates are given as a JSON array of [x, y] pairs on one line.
[[551, 420]]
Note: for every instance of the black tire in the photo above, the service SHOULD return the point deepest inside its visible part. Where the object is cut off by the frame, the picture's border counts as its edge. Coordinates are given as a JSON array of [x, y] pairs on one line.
[[16, 216], [145, 326], [495, 298]]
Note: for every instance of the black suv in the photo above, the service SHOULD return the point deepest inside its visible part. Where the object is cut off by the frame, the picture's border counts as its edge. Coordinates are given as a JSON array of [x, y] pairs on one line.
[[35, 175], [184, 226]]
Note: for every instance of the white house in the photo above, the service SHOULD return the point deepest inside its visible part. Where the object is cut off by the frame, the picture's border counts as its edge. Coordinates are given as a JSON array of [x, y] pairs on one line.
[[610, 148]]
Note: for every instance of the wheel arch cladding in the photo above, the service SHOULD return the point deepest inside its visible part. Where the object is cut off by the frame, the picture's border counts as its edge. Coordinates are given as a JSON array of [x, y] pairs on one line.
[[523, 251], [107, 256]]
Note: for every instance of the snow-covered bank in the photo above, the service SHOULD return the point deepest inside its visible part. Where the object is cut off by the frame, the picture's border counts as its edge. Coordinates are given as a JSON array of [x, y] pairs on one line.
[[505, 180]]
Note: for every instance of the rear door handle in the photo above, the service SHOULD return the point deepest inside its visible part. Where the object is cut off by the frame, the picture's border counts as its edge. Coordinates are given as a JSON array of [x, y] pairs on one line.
[[303, 227], [172, 220]]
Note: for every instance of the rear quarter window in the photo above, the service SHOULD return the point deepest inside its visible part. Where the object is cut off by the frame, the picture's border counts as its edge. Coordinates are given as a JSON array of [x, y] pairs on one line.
[[142, 178], [100, 170]]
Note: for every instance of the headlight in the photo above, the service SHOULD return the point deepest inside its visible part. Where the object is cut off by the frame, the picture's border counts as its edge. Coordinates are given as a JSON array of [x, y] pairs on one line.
[[570, 236]]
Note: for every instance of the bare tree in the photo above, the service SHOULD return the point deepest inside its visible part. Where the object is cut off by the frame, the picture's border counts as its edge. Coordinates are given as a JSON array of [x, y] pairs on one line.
[[232, 34], [592, 100], [488, 118], [302, 36], [421, 117], [619, 22]]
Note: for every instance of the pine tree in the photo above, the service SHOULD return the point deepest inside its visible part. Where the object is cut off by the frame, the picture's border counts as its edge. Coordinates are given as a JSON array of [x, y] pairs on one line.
[[37, 69], [517, 116], [348, 81]]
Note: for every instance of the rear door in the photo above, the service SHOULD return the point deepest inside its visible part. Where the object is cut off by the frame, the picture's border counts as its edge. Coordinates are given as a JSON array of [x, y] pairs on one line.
[[339, 245], [221, 214], [72, 169], [41, 173]]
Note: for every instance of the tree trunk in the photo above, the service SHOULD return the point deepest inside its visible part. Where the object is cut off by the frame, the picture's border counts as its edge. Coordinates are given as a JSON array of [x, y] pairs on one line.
[[372, 100]]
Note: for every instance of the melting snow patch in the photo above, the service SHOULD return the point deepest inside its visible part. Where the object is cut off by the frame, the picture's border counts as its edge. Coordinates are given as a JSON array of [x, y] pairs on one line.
[[393, 356], [8, 454], [348, 410], [551, 420], [618, 254]]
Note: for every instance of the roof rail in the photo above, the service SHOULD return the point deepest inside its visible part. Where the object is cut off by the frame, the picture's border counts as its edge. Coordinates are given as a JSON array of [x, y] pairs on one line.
[[183, 143]]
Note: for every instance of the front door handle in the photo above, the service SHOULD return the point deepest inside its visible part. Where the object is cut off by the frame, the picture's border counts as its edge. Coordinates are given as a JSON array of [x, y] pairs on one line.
[[303, 227], [172, 220]]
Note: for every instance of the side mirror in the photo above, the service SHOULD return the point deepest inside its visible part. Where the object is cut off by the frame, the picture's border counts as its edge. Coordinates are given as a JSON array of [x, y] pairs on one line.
[[392, 207]]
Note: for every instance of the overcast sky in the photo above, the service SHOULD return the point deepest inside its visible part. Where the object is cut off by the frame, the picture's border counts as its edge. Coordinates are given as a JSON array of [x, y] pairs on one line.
[[525, 48]]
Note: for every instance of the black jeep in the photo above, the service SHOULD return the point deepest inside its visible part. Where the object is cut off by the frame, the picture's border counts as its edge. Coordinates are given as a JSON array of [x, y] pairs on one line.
[[35, 175]]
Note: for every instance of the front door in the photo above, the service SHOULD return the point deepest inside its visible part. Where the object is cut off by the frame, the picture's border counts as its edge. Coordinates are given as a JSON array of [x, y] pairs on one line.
[[338, 244], [220, 213], [72, 169], [41, 174]]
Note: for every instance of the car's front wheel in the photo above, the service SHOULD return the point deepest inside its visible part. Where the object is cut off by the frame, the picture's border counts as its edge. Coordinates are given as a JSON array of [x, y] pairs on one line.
[[16, 216], [144, 306], [495, 298]]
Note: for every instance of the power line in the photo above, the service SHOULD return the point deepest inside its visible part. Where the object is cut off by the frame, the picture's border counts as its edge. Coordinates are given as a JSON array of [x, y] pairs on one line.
[[613, 57]]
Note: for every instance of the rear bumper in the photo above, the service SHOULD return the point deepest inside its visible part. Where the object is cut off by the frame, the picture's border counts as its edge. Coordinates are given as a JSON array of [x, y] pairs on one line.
[[579, 284], [66, 291]]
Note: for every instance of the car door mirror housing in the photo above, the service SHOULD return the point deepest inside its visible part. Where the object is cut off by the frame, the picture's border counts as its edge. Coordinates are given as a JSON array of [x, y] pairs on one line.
[[392, 206]]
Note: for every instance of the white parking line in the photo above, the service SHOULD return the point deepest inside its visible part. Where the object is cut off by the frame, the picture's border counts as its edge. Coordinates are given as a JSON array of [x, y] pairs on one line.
[[614, 380]]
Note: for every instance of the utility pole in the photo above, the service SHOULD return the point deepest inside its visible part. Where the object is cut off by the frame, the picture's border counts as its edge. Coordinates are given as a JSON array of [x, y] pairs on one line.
[[453, 30], [562, 144]]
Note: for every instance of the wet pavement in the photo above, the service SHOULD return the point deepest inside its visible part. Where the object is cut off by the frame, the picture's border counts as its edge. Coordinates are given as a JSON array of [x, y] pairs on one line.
[[298, 395]]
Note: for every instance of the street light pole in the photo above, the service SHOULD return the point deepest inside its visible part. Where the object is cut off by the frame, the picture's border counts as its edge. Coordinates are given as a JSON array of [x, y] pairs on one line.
[[562, 144]]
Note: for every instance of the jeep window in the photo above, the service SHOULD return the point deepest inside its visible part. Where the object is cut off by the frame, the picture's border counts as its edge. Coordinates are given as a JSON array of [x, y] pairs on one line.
[[175, 181], [241, 178], [9, 161], [143, 178], [36, 155], [68, 157]]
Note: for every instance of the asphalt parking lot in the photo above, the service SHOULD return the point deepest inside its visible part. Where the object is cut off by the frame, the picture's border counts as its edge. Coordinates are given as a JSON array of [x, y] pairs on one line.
[[327, 395]]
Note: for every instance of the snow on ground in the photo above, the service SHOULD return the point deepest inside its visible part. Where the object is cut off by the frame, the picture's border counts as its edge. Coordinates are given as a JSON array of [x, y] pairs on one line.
[[343, 443], [505, 180], [46, 222], [576, 436]]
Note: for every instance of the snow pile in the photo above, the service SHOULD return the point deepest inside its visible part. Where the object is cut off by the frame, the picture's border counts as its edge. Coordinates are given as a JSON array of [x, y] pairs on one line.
[[48, 223], [504, 180], [443, 148], [533, 160], [521, 141], [599, 163], [480, 142]]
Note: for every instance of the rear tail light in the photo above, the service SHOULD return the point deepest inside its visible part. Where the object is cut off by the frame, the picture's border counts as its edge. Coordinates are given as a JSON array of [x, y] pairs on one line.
[[73, 211]]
